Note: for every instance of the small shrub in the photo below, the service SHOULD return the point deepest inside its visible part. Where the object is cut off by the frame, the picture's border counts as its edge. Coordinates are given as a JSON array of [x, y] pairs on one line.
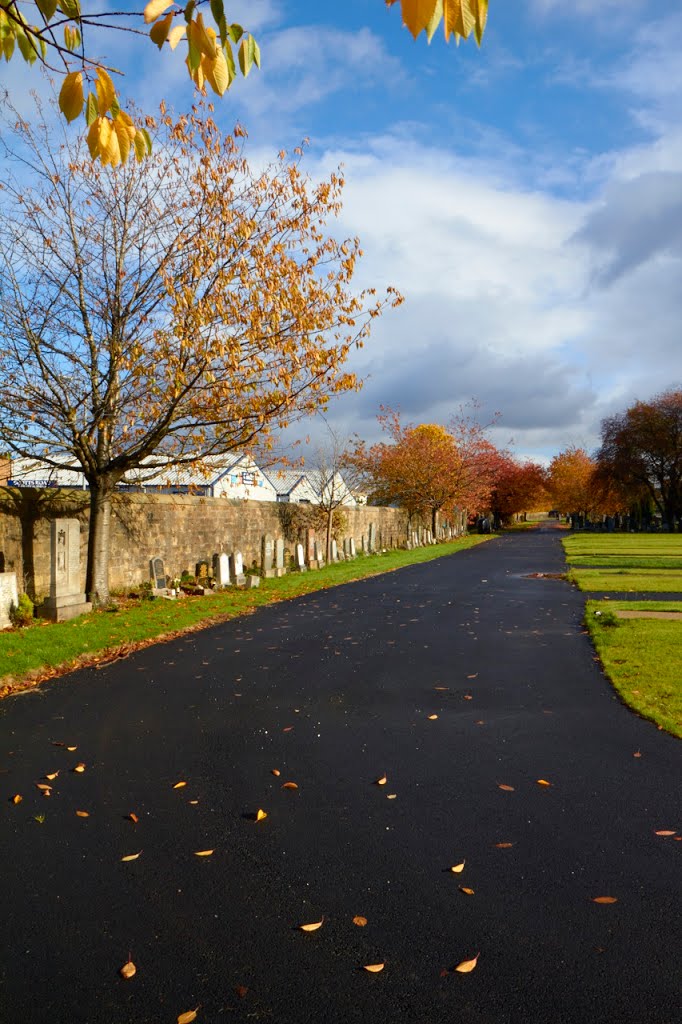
[[21, 614], [146, 590], [606, 618]]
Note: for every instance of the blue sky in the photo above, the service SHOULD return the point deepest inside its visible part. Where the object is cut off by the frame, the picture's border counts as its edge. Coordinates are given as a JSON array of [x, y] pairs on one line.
[[525, 197]]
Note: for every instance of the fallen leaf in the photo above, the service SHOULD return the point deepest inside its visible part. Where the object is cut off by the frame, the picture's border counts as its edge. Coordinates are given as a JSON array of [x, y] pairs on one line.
[[507, 789], [458, 868], [40, 818], [381, 781], [133, 817], [441, 688], [131, 856], [474, 676], [503, 846], [467, 966], [241, 991], [261, 815], [83, 814], [71, 749], [44, 787], [179, 785], [432, 718], [469, 892], [290, 785], [276, 771], [374, 968], [664, 832], [203, 853], [360, 921], [467, 696], [543, 782], [311, 927], [287, 728], [480, 722], [80, 767], [187, 1018], [605, 899], [58, 743], [128, 970], [52, 775], [637, 753], [194, 801], [17, 798], [391, 796]]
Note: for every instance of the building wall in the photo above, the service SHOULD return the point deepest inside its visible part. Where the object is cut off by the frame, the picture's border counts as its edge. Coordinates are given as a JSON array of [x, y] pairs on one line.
[[182, 529]]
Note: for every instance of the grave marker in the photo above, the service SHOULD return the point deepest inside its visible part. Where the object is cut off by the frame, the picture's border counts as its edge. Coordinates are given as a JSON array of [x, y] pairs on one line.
[[66, 599]]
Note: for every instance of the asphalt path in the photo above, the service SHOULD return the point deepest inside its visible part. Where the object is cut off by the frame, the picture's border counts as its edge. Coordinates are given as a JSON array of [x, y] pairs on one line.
[[334, 690]]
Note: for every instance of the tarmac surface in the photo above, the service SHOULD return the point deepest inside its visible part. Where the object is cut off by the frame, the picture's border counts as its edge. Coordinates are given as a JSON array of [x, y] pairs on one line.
[[334, 690]]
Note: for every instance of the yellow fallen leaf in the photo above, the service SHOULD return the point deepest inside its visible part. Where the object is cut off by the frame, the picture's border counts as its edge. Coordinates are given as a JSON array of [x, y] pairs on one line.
[[440, 687], [261, 815], [504, 846], [664, 832], [374, 968], [637, 753], [133, 817], [311, 927], [179, 785], [128, 970], [276, 771], [458, 868], [507, 789], [391, 796], [467, 966], [203, 853], [187, 1018], [543, 782], [290, 785], [44, 787], [360, 921], [83, 814], [52, 775], [80, 767], [17, 798], [605, 899], [469, 892], [432, 718], [194, 801], [381, 781], [131, 856]]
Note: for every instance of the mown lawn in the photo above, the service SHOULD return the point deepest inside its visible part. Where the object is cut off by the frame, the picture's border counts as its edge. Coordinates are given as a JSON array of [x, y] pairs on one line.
[[627, 545], [633, 580], [642, 657], [43, 649]]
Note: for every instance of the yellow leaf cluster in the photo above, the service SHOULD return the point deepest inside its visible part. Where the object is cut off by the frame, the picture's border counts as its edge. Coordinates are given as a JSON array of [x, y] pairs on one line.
[[460, 17]]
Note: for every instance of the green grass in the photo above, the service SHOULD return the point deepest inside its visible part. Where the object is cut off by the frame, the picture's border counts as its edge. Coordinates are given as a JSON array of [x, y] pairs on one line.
[[628, 580], [45, 649], [631, 545], [642, 657], [626, 562]]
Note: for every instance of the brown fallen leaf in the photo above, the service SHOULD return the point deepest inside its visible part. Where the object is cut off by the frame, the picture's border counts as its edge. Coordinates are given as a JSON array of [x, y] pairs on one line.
[[480, 722], [276, 772], [441, 688], [52, 775], [311, 927], [467, 696], [503, 846], [17, 798], [203, 853], [131, 856], [290, 785], [507, 789], [80, 767], [179, 785], [261, 815], [467, 966], [604, 899], [664, 832], [464, 889], [374, 968], [637, 753], [432, 718], [381, 781], [83, 814], [129, 970], [474, 676], [458, 868], [543, 782], [287, 728], [58, 743], [187, 1018], [241, 991], [133, 817], [360, 921]]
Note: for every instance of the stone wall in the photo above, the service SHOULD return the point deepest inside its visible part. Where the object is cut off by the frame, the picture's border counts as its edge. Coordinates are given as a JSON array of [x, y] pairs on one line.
[[182, 529]]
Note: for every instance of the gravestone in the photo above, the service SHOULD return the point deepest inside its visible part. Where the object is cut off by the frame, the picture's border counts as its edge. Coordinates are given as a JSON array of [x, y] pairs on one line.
[[252, 582], [363, 544], [201, 573], [221, 570], [335, 551], [372, 538], [9, 598], [66, 599], [318, 554], [346, 547], [415, 539], [279, 557], [237, 569], [310, 547], [300, 559], [157, 573], [267, 556], [351, 547]]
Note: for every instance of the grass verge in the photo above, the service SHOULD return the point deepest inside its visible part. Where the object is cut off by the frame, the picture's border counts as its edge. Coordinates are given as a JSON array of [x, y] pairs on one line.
[[631, 580], [44, 650], [642, 657], [629, 545]]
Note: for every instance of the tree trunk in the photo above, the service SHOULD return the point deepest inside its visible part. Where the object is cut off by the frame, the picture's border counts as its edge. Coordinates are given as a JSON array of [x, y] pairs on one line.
[[330, 523], [434, 522], [97, 578]]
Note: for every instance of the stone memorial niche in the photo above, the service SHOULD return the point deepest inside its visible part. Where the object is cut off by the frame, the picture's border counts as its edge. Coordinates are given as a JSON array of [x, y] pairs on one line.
[[335, 551], [351, 547], [267, 554], [279, 557], [237, 569], [9, 598], [66, 599], [221, 570], [300, 558], [372, 538]]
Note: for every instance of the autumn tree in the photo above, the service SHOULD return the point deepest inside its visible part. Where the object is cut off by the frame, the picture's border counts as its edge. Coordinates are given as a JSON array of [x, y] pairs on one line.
[[576, 487], [334, 475], [57, 34], [641, 450], [162, 313], [520, 487]]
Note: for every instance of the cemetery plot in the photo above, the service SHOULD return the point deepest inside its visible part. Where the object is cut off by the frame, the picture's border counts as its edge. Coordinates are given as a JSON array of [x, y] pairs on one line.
[[626, 562]]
